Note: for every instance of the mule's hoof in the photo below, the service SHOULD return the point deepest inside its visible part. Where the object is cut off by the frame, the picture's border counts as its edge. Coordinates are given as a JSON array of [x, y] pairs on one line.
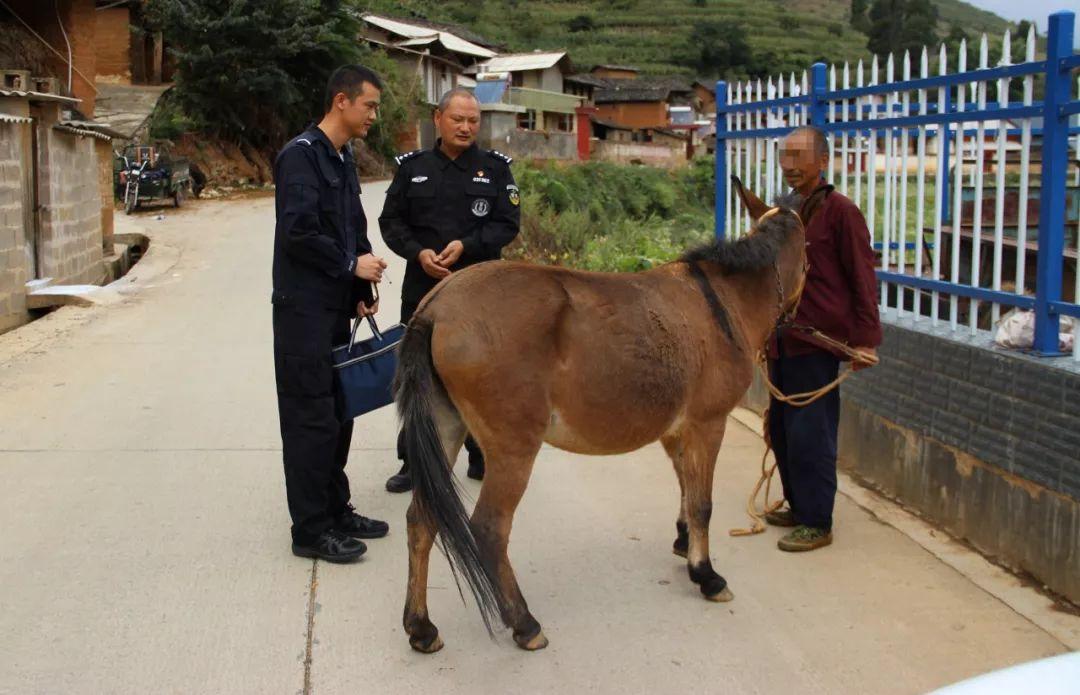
[[536, 642], [724, 596], [679, 549], [426, 645]]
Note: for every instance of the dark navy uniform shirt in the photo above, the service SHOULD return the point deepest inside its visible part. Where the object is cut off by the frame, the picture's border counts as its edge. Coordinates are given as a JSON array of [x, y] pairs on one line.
[[434, 200], [321, 227]]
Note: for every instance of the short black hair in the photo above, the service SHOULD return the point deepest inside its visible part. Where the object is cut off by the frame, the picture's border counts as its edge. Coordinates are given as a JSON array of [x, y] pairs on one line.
[[349, 79], [821, 139]]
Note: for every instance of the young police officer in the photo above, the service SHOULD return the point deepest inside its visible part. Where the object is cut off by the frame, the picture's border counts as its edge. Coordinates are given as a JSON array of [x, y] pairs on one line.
[[323, 270], [448, 208]]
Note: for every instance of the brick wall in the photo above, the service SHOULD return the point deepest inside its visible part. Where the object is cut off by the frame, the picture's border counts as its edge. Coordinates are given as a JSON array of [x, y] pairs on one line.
[[646, 114], [80, 22], [12, 217], [114, 45], [70, 197]]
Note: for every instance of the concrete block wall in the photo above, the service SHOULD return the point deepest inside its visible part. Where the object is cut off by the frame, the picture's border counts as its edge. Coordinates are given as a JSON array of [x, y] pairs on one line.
[[70, 239], [13, 267], [645, 153]]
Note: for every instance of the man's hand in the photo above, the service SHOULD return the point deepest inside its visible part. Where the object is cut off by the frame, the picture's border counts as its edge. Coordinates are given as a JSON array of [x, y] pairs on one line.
[[363, 310], [370, 267], [429, 261], [450, 254], [867, 358]]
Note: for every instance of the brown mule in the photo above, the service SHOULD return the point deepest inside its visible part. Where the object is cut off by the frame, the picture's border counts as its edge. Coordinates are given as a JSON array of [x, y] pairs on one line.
[[592, 363]]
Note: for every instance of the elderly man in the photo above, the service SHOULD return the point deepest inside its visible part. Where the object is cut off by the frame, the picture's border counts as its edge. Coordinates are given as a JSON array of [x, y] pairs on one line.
[[840, 301], [447, 208]]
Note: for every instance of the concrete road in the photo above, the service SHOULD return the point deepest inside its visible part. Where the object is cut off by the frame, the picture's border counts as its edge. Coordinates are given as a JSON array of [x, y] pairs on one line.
[[145, 544]]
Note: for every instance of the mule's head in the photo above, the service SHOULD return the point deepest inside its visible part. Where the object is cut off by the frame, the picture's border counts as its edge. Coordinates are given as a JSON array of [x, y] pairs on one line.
[[805, 208]]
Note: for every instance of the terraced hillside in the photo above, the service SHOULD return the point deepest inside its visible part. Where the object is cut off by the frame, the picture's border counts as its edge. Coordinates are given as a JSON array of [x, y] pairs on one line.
[[650, 34]]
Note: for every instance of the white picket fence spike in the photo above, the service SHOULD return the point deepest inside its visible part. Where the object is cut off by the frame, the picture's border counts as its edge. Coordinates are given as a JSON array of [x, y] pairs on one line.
[[939, 187], [977, 213], [958, 183]]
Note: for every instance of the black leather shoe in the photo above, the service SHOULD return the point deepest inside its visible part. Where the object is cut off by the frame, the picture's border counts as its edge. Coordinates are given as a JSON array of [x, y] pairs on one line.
[[400, 481], [332, 546], [356, 526]]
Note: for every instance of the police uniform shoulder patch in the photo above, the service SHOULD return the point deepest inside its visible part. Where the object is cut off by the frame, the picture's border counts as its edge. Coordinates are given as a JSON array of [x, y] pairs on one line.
[[500, 156], [304, 141], [401, 158]]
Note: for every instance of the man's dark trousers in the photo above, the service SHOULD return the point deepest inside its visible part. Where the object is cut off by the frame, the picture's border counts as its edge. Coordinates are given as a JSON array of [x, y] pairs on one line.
[[407, 311], [804, 439], [314, 438]]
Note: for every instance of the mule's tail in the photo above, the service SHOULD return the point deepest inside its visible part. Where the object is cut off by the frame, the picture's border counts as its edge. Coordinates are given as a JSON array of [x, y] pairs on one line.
[[435, 491]]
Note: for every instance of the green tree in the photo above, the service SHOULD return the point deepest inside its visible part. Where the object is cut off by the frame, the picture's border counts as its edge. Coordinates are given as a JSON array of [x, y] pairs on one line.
[[583, 22], [717, 49], [858, 17], [254, 70], [901, 25]]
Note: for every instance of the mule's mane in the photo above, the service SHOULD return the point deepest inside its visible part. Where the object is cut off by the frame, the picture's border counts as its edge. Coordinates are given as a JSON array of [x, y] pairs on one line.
[[753, 251]]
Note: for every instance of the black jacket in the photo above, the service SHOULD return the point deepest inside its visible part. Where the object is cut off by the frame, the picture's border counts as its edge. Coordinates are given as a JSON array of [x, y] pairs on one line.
[[321, 227], [434, 200]]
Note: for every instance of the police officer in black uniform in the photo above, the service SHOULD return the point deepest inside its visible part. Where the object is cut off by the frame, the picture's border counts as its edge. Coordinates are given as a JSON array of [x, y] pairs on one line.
[[323, 274], [449, 207]]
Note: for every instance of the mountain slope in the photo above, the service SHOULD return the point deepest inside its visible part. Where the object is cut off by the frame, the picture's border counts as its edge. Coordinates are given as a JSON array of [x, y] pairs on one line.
[[649, 34]]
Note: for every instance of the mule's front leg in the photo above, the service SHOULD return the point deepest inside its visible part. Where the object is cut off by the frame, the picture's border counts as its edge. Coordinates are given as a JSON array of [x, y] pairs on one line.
[[702, 448], [423, 635]]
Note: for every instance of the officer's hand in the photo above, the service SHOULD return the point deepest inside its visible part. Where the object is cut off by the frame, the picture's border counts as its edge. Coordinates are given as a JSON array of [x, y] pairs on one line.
[[430, 263], [370, 267], [363, 310], [450, 254]]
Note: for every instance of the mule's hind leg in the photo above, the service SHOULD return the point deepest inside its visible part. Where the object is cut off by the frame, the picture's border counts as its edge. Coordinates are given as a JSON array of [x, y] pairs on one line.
[[505, 480], [673, 447], [701, 445], [423, 635]]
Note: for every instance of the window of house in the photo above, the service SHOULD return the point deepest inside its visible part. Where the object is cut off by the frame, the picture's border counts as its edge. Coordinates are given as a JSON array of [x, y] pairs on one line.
[[565, 123], [527, 120]]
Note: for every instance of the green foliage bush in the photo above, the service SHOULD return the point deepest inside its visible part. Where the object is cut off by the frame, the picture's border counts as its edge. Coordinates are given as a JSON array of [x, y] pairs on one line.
[[610, 217]]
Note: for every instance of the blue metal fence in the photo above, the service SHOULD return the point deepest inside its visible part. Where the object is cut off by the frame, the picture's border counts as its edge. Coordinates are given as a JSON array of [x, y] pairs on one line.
[[748, 129]]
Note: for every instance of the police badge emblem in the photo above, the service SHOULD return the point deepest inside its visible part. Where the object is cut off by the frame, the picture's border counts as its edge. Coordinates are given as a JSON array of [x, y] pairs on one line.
[[513, 194], [481, 207]]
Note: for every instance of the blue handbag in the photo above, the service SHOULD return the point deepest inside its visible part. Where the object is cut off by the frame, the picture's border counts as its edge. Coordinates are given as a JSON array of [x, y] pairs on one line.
[[364, 371]]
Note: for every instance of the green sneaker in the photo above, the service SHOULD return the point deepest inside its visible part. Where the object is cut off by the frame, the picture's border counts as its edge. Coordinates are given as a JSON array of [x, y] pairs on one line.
[[781, 517], [805, 538]]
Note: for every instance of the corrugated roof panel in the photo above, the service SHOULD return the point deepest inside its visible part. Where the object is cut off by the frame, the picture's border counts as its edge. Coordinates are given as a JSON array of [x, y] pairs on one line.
[[452, 42], [522, 61]]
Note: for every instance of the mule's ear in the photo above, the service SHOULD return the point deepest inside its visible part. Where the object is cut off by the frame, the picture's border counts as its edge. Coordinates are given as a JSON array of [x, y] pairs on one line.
[[753, 204]]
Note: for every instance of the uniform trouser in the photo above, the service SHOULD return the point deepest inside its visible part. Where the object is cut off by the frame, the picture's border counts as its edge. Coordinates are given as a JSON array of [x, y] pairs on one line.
[[315, 440], [804, 439], [407, 311]]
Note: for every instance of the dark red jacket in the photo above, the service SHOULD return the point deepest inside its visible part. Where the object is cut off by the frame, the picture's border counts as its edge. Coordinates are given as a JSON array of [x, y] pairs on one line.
[[841, 294]]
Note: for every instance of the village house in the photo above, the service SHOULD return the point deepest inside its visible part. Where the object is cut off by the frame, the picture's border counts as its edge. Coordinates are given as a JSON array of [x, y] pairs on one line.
[[534, 83], [56, 198], [436, 54]]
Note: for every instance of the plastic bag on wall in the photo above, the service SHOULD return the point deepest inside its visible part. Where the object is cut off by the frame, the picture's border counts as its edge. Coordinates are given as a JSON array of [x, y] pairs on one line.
[[1016, 330]]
